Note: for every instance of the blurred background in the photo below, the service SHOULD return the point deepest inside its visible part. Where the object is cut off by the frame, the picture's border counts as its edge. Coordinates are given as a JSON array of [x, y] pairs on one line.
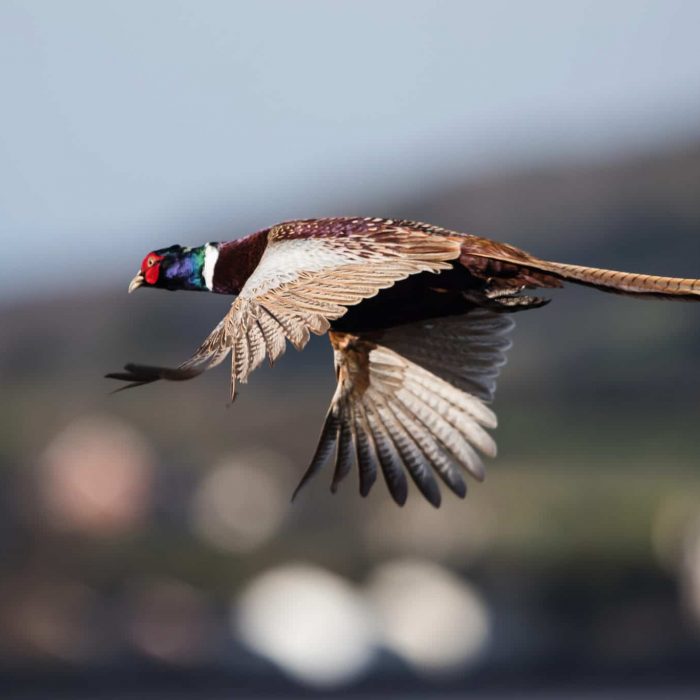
[[147, 544]]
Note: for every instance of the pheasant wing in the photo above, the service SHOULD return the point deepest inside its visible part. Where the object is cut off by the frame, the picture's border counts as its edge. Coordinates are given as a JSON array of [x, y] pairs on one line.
[[401, 407], [310, 273]]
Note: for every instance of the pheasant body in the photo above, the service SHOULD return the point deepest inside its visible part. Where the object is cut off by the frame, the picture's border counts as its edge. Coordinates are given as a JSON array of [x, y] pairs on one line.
[[418, 317]]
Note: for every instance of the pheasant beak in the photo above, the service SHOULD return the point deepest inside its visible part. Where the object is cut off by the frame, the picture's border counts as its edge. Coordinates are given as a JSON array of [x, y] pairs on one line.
[[136, 282]]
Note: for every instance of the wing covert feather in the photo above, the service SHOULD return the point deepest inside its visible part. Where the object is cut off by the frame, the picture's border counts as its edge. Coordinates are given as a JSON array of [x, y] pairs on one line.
[[303, 283]]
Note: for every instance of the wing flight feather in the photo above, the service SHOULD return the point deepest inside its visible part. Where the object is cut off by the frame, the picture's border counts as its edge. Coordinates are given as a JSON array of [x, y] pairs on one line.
[[391, 414]]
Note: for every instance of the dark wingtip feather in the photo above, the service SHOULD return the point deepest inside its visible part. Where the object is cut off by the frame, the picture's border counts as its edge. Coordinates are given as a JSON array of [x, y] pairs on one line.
[[415, 460], [326, 443], [133, 376], [133, 385], [138, 375], [459, 488], [345, 457], [122, 376], [400, 494], [390, 462], [431, 492], [365, 453]]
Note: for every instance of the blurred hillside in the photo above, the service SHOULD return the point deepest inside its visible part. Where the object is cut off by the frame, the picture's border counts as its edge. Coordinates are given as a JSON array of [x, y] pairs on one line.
[[581, 540]]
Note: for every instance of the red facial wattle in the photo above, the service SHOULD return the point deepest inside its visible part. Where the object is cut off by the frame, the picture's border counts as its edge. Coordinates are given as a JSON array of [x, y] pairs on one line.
[[150, 268]]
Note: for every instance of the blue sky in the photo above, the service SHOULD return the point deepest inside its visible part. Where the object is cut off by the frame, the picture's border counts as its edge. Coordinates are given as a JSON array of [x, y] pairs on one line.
[[128, 125]]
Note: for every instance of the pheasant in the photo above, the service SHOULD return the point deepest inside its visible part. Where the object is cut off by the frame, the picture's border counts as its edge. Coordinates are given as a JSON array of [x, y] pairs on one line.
[[419, 319]]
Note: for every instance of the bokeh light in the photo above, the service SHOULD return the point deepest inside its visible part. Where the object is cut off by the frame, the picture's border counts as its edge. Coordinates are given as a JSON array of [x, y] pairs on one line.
[[168, 620], [241, 502], [310, 622], [52, 617], [95, 477], [674, 525], [434, 620]]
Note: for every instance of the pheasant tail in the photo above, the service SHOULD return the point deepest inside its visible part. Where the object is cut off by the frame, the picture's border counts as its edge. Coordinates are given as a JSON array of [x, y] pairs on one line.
[[624, 282], [613, 281]]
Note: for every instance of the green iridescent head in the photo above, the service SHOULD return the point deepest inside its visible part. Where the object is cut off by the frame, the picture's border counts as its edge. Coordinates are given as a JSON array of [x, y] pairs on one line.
[[177, 267]]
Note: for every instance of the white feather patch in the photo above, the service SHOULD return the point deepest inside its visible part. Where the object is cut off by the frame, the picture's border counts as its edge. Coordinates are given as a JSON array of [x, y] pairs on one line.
[[211, 255], [283, 261]]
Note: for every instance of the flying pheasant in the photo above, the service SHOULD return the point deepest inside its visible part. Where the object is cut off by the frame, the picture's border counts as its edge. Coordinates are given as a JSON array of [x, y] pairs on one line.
[[418, 317]]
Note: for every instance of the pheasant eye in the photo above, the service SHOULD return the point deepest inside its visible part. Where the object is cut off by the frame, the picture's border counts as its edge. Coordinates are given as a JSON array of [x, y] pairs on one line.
[[150, 268], [149, 261]]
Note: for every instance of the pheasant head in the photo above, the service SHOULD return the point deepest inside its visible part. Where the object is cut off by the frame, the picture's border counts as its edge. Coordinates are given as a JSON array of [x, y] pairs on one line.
[[177, 267]]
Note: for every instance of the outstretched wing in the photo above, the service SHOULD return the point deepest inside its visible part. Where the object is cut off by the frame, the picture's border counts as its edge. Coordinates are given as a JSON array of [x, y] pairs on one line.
[[413, 401], [310, 273]]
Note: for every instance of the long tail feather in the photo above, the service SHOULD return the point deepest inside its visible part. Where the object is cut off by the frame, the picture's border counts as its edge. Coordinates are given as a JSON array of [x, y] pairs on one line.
[[625, 282]]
